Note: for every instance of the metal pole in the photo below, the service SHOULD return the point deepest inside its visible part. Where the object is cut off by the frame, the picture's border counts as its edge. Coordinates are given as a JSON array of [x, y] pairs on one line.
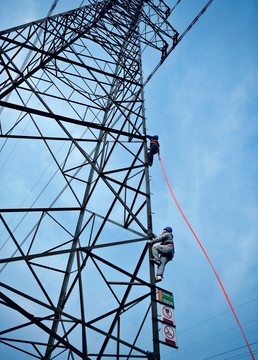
[[155, 334]]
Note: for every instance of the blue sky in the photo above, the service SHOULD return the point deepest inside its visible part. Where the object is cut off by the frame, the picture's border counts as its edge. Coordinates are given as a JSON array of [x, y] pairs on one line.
[[203, 104]]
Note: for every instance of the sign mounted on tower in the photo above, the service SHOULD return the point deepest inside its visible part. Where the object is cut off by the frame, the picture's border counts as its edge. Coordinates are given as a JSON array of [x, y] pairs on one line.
[[169, 335]]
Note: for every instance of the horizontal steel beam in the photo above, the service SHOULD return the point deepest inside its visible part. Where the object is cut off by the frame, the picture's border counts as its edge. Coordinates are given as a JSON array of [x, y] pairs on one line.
[[89, 124]]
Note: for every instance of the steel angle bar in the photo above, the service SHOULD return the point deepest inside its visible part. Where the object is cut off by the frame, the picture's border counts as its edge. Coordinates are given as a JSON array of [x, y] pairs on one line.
[[69, 120], [38, 323]]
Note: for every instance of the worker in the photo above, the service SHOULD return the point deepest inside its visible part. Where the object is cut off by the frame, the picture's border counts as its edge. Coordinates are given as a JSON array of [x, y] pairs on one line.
[[153, 148], [163, 252]]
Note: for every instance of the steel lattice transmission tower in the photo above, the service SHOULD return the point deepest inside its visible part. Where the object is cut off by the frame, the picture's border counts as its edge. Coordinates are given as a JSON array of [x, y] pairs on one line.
[[75, 214]]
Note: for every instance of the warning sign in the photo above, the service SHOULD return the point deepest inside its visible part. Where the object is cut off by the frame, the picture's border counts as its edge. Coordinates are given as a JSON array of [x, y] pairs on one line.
[[167, 314], [166, 300], [166, 297], [169, 335]]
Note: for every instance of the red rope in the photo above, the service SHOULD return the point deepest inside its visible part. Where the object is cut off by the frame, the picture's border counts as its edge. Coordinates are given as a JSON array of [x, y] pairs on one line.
[[222, 287]]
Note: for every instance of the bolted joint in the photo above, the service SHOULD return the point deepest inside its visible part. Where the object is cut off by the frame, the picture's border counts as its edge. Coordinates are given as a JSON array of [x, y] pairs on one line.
[[153, 356]]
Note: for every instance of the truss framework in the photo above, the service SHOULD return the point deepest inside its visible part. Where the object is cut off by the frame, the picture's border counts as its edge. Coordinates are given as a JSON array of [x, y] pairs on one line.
[[72, 120]]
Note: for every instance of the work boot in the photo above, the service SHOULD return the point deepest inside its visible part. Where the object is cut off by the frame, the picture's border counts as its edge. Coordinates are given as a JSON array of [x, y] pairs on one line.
[[158, 278]]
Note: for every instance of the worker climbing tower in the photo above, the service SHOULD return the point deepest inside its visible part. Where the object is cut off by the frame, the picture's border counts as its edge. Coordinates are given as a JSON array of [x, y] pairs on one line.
[[76, 281]]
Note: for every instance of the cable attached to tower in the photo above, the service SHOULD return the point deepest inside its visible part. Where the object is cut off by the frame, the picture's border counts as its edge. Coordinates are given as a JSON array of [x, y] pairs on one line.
[[222, 287]]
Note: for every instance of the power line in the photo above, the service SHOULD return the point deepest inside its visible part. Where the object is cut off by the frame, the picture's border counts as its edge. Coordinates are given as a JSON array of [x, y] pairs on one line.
[[240, 356], [186, 355], [226, 352], [216, 316]]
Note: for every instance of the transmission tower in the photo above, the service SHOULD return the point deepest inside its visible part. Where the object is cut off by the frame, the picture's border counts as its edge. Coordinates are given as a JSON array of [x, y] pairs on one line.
[[76, 281]]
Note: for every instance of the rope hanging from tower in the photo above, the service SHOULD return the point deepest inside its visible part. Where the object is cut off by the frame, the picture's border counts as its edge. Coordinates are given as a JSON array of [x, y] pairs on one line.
[[222, 287]]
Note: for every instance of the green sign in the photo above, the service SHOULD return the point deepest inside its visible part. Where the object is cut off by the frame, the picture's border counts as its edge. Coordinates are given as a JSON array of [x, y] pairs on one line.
[[166, 298]]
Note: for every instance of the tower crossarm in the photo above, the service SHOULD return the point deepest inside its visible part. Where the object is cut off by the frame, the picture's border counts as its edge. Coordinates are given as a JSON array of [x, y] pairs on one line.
[[99, 21]]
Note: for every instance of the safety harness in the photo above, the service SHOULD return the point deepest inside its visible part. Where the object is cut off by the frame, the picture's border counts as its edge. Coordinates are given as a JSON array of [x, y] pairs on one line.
[[155, 142]]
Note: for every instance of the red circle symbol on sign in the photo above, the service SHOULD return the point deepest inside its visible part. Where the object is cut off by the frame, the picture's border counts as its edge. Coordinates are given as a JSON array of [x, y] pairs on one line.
[[169, 332], [167, 312]]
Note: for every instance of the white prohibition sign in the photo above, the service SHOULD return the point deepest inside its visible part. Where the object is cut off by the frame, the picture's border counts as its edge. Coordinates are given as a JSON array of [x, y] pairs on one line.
[[167, 312], [169, 332]]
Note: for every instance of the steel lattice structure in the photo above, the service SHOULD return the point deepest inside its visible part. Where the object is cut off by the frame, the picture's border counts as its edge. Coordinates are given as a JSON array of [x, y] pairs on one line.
[[72, 119]]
